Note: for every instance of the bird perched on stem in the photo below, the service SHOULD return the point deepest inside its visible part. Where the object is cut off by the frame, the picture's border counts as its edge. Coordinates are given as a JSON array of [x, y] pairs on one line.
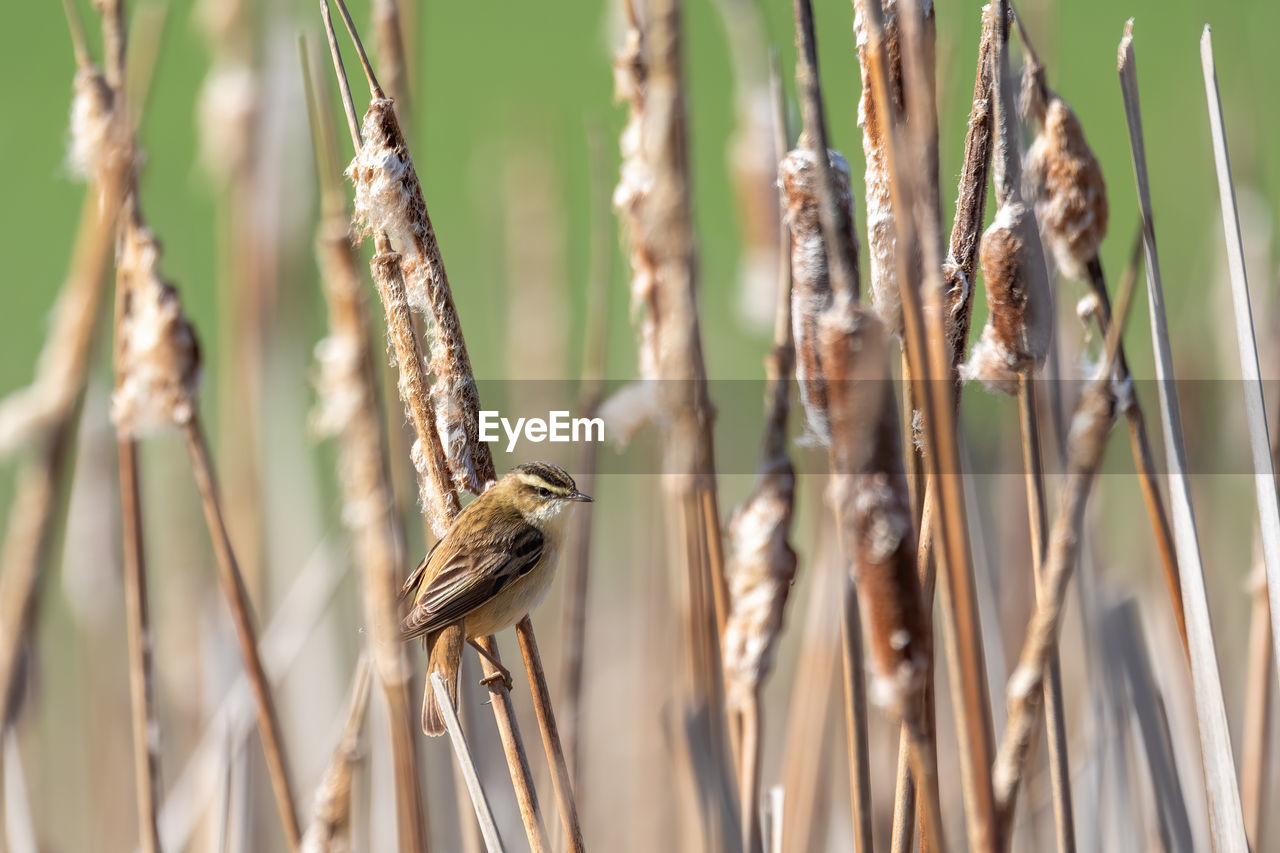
[[492, 567]]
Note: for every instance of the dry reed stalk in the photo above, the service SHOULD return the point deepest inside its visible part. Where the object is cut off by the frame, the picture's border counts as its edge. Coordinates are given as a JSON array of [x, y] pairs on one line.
[[873, 511], [513, 748], [1064, 180], [578, 547], [762, 564], [1226, 821], [1254, 766], [330, 828], [959, 272], [820, 215], [1090, 426], [925, 324], [886, 295], [484, 817], [351, 410], [232, 119], [158, 367], [397, 73], [561, 781], [1014, 342], [654, 194], [446, 453], [1246, 338]]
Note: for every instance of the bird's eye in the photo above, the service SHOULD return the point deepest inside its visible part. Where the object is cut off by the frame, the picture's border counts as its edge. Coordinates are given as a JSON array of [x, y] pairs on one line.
[[544, 493]]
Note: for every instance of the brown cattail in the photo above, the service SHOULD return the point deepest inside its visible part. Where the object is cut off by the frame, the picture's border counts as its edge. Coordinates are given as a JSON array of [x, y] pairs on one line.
[[881, 229], [157, 353], [869, 488], [1019, 324], [811, 290], [760, 571], [630, 73], [91, 123], [1020, 310], [388, 199], [1062, 177], [226, 112]]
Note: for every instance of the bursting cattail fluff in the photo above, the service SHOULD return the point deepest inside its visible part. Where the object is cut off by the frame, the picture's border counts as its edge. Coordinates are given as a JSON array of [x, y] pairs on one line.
[[1019, 320], [157, 353], [873, 505], [811, 289], [1062, 177], [881, 229], [630, 73], [760, 571], [91, 116], [388, 199]]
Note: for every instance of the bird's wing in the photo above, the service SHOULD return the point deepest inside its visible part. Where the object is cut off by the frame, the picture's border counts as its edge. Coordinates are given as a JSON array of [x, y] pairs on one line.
[[415, 577], [470, 580]]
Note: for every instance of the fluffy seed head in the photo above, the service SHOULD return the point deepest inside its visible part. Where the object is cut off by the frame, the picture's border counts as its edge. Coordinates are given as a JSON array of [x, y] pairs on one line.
[[760, 570], [1062, 177], [1019, 323], [157, 353], [91, 114], [811, 289]]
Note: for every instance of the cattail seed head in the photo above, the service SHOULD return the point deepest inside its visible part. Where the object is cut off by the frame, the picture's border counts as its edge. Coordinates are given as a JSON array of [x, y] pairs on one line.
[[635, 182], [91, 117], [870, 492], [1062, 177], [388, 200], [811, 290], [1019, 323], [760, 570], [157, 353], [225, 112], [886, 295]]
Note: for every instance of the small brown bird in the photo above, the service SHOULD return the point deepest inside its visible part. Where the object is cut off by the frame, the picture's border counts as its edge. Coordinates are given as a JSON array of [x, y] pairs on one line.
[[492, 567]]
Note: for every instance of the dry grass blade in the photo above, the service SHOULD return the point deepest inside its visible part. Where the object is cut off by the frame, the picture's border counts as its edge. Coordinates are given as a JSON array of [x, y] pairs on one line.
[[351, 410], [1215, 738], [396, 67], [1255, 766], [1124, 633], [1255, 406], [330, 827], [487, 827]]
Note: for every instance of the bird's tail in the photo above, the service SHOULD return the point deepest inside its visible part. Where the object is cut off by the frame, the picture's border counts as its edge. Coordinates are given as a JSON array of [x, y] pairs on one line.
[[444, 649]]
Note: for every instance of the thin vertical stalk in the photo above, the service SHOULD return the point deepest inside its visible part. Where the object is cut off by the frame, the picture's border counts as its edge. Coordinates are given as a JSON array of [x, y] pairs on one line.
[[561, 781], [246, 633], [146, 758], [504, 714]]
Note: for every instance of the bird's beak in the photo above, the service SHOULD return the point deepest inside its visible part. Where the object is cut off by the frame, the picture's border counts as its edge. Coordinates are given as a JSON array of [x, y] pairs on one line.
[[581, 498]]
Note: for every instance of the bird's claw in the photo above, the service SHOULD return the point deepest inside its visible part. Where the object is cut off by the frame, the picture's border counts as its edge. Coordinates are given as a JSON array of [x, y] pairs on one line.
[[502, 675]]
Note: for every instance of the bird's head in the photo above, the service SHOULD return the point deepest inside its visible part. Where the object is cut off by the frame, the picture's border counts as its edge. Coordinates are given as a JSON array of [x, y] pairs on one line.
[[540, 491]]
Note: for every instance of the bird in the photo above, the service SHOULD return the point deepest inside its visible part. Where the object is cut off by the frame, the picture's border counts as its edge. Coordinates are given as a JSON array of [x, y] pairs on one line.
[[490, 569]]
